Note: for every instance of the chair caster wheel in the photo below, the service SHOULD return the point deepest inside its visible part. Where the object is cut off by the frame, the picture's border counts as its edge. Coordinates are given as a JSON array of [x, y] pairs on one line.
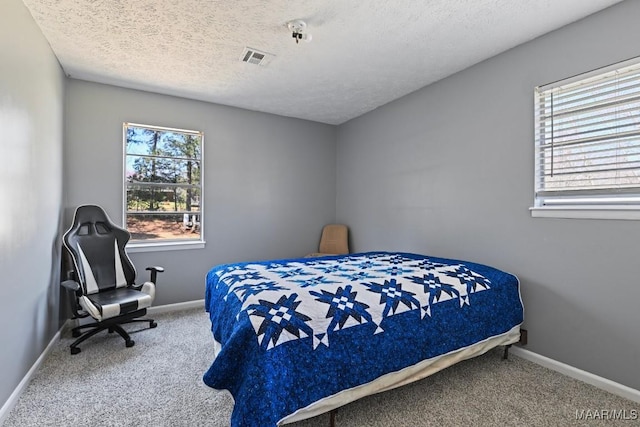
[[130, 343], [75, 350], [153, 324], [75, 334]]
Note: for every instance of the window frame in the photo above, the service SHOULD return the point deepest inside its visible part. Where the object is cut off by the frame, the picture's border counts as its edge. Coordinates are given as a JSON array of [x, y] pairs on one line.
[[162, 244], [609, 203]]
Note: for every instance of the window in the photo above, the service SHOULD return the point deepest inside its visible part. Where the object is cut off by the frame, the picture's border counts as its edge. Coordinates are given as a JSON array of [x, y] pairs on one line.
[[163, 185], [587, 135]]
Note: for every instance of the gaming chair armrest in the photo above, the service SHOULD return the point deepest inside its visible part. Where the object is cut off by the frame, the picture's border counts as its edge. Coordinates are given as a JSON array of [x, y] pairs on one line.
[[73, 286], [154, 272]]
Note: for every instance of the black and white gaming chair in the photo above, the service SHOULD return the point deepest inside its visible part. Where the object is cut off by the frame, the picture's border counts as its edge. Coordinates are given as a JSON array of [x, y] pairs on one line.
[[103, 284]]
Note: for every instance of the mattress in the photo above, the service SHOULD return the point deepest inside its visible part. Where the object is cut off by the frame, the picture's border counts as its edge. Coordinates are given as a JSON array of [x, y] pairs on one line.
[[298, 337]]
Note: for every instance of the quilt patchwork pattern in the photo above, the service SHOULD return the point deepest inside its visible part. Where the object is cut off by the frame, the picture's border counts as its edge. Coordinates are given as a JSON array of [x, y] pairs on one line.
[[283, 299]]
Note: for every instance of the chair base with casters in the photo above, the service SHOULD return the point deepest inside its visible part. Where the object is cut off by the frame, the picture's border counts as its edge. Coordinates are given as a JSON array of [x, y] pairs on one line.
[[112, 325]]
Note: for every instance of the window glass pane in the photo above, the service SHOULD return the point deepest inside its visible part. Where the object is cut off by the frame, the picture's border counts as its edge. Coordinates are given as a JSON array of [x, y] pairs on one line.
[[163, 183], [163, 226], [153, 198], [143, 141], [162, 170]]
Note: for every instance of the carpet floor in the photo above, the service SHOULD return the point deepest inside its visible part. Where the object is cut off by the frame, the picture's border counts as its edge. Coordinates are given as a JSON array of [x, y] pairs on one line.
[[158, 382]]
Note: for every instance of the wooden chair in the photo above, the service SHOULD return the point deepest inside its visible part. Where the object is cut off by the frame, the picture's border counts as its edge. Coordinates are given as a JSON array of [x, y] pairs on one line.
[[334, 241]]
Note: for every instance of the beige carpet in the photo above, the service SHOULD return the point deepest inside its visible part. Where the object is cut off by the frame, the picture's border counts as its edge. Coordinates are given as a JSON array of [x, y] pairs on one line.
[[158, 382]]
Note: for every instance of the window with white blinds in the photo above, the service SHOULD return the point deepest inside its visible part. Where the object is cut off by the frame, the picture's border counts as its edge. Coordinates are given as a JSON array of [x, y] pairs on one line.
[[587, 133]]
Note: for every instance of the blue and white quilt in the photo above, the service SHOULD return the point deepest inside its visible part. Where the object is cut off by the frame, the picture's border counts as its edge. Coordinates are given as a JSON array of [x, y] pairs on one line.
[[292, 332]]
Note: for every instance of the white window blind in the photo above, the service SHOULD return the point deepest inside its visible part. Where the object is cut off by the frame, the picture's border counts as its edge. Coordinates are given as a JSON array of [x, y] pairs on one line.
[[587, 133]]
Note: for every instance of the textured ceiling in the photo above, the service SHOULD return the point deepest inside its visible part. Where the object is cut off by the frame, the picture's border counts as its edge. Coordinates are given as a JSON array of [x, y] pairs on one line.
[[364, 53]]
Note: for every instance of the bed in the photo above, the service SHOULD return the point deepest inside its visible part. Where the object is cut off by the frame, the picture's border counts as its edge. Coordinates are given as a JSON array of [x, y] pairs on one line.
[[299, 337]]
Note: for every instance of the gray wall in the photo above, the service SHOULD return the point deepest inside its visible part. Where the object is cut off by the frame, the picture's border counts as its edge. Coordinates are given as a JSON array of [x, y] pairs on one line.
[[448, 171], [269, 181], [31, 128]]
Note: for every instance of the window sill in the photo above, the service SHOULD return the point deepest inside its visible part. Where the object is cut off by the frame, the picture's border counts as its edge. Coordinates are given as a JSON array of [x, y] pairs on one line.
[[587, 212], [164, 246]]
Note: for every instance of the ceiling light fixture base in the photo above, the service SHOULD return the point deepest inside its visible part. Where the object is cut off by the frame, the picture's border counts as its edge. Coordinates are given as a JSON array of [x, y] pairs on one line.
[[297, 28]]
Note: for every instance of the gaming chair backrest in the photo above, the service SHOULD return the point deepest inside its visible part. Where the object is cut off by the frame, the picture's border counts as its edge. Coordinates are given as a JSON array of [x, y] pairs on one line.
[[97, 247]]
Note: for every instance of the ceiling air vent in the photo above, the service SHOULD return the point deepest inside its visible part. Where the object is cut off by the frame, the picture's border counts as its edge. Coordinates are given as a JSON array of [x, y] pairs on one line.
[[254, 56]]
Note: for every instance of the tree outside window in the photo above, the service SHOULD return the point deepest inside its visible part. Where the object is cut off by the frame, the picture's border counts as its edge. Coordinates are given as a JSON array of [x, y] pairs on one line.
[[163, 183]]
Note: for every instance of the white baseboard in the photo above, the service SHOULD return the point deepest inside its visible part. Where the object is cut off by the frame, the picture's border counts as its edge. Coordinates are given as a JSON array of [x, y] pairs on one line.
[[584, 376], [13, 399], [176, 307]]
